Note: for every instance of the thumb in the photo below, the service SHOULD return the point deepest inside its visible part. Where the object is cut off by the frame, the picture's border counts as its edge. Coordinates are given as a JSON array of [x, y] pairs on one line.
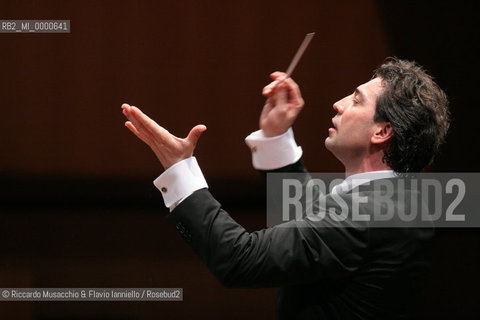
[[195, 133]]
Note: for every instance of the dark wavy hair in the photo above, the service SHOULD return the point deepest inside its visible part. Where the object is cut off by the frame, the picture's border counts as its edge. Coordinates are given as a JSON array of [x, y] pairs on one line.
[[417, 110]]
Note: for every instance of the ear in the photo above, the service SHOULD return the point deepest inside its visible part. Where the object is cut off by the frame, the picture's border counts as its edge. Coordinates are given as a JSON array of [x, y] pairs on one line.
[[383, 132]]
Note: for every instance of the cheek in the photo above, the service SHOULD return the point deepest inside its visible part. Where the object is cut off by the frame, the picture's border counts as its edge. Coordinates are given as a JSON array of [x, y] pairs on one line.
[[357, 128], [351, 122], [364, 120]]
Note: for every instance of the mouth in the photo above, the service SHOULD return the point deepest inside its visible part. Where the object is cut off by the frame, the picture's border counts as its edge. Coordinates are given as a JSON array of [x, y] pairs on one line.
[[334, 128]]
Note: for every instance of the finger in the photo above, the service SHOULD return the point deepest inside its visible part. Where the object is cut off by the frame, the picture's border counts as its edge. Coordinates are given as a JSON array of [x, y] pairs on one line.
[[281, 95], [140, 130], [146, 126], [278, 77], [132, 128], [272, 87], [277, 74], [151, 126], [268, 89], [294, 93], [126, 113], [268, 105], [125, 107], [130, 114], [195, 134], [126, 110], [267, 108], [143, 118]]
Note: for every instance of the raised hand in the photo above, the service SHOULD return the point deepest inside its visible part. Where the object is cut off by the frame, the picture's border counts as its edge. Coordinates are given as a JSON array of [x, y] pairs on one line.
[[284, 103], [168, 148]]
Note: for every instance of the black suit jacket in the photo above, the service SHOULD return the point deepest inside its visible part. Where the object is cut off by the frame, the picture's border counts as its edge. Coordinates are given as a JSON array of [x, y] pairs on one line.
[[324, 271]]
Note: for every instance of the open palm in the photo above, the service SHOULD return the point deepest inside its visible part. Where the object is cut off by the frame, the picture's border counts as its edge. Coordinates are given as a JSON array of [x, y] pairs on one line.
[[168, 148]]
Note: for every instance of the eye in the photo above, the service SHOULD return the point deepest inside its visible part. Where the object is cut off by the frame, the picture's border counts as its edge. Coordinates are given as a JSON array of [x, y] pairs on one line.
[[354, 99]]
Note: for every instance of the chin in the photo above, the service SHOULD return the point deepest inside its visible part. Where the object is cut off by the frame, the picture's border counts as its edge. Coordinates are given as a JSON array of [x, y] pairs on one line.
[[328, 143], [332, 145]]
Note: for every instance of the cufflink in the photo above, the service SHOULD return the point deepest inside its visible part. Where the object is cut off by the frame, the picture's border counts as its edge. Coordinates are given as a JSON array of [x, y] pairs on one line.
[[164, 189]]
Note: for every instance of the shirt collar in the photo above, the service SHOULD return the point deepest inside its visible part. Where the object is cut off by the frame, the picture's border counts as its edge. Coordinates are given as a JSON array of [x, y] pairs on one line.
[[357, 179]]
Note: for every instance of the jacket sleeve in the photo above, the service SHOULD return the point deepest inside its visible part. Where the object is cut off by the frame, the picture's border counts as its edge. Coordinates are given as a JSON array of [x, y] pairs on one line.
[[291, 253]]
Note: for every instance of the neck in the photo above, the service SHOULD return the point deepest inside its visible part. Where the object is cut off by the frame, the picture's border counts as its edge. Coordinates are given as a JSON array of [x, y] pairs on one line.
[[371, 162]]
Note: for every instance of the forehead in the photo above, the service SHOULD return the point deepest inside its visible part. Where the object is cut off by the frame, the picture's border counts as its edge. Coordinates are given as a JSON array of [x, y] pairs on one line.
[[371, 89]]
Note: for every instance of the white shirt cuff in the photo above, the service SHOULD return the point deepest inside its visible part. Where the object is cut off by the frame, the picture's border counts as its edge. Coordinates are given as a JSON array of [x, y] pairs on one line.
[[180, 181], [270, 153]]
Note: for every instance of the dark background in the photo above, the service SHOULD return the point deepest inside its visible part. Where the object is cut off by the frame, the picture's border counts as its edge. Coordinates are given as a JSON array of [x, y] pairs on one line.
[[77, 204]]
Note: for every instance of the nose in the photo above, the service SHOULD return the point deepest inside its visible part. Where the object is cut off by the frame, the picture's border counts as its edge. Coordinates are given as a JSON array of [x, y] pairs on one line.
[[338, 106]]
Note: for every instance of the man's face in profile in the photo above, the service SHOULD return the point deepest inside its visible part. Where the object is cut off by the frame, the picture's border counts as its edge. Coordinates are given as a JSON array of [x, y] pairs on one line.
[[353, 125]]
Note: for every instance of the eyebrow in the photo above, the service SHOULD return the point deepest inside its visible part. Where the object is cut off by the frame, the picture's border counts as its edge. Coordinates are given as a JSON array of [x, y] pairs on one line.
[[359, 92]]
